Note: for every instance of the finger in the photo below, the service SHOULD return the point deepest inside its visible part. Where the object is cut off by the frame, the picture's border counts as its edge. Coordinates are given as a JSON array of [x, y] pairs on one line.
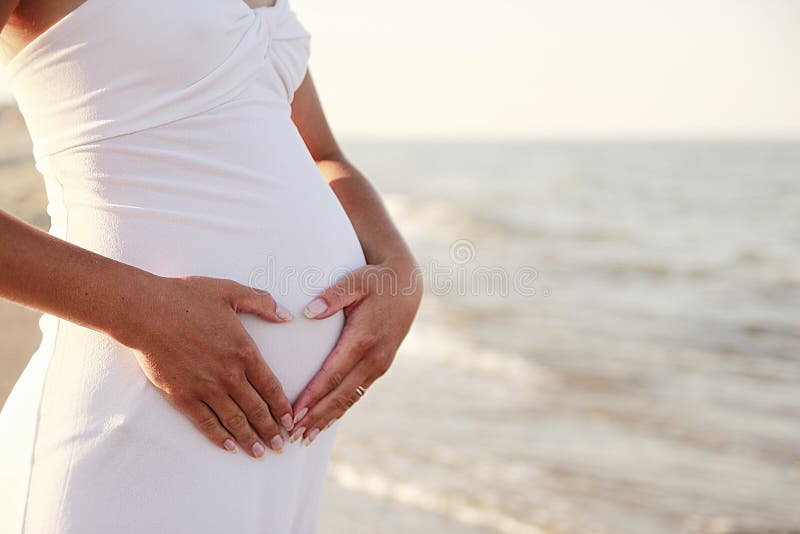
[[259, 415], [235, 421], [347, 290], [353, 344], [258, 302], [269, 388], [207, 422], [335, 404]]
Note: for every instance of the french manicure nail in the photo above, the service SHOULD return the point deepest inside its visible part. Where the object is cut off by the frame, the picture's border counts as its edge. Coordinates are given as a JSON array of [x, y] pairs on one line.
[[276, 442], [297, 434], [300, 415], [258, 450], [329, 424], [311, 436], [283, 313], [229, 445], [315, 307], [287, 422]]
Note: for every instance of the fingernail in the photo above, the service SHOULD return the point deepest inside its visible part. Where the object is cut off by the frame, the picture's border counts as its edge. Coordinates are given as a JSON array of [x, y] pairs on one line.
[[229, 445], [258, 450], [300, 415], [287, 422], [329, 424], [311, 436], [315, 307], [297, 434], [283, 313], [276, 442]]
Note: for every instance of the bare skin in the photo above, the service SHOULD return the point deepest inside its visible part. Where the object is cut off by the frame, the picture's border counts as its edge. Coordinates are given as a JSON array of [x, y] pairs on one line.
[[218, 379]]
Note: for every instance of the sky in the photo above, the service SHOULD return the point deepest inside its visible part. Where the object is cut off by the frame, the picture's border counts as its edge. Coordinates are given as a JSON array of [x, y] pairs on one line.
[[524, 69]]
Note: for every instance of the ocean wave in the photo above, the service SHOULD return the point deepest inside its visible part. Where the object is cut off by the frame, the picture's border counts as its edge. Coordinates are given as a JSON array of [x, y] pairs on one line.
[[431, 344], [469, 510]]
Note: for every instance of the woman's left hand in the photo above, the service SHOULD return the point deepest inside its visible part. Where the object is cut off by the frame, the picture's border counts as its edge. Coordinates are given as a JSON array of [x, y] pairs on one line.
[[379, 303]]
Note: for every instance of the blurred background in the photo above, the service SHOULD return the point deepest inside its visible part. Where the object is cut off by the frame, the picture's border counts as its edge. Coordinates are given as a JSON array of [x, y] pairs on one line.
[[605, 199]]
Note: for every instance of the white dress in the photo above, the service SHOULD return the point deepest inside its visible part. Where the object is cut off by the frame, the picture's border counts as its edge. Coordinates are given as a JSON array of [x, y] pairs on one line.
[[162, 129]]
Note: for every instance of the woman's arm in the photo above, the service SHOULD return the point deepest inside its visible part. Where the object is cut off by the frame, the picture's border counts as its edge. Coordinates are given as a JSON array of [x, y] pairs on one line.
[[378, 308], [380, 239], [165, 321], [43, 272]]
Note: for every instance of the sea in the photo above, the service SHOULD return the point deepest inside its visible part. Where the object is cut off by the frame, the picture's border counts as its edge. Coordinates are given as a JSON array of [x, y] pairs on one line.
[[609, 342]]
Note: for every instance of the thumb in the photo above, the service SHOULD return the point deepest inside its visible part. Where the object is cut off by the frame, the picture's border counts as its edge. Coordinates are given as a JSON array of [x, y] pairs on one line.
[[347, 290], [258, 302]]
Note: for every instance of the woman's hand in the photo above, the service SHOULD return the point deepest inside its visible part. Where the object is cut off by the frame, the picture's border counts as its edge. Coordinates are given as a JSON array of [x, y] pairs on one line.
[[379, 303], [193, 347]]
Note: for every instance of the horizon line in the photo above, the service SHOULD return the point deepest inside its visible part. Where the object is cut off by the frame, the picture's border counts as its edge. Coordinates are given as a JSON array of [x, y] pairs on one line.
[[543, 138]]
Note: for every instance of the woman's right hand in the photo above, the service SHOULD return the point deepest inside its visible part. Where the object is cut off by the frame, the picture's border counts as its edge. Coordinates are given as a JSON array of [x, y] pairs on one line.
[[193, 347]]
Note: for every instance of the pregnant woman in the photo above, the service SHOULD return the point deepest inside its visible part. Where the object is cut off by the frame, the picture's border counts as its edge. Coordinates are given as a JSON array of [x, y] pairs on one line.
[[218, 285]]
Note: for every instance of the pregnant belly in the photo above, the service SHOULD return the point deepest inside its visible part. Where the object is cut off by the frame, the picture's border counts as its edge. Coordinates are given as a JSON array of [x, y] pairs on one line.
[[248, 210]]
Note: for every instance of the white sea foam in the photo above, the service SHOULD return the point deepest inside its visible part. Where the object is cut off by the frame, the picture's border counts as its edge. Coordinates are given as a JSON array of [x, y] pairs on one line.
[[411, 493]]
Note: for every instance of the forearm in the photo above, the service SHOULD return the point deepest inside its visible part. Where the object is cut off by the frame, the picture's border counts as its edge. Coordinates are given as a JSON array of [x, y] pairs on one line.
[[379, 237], [43, 272]]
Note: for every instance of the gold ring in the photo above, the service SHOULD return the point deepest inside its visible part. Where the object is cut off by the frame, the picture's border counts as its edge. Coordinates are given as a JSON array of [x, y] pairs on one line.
[[361, 390]]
